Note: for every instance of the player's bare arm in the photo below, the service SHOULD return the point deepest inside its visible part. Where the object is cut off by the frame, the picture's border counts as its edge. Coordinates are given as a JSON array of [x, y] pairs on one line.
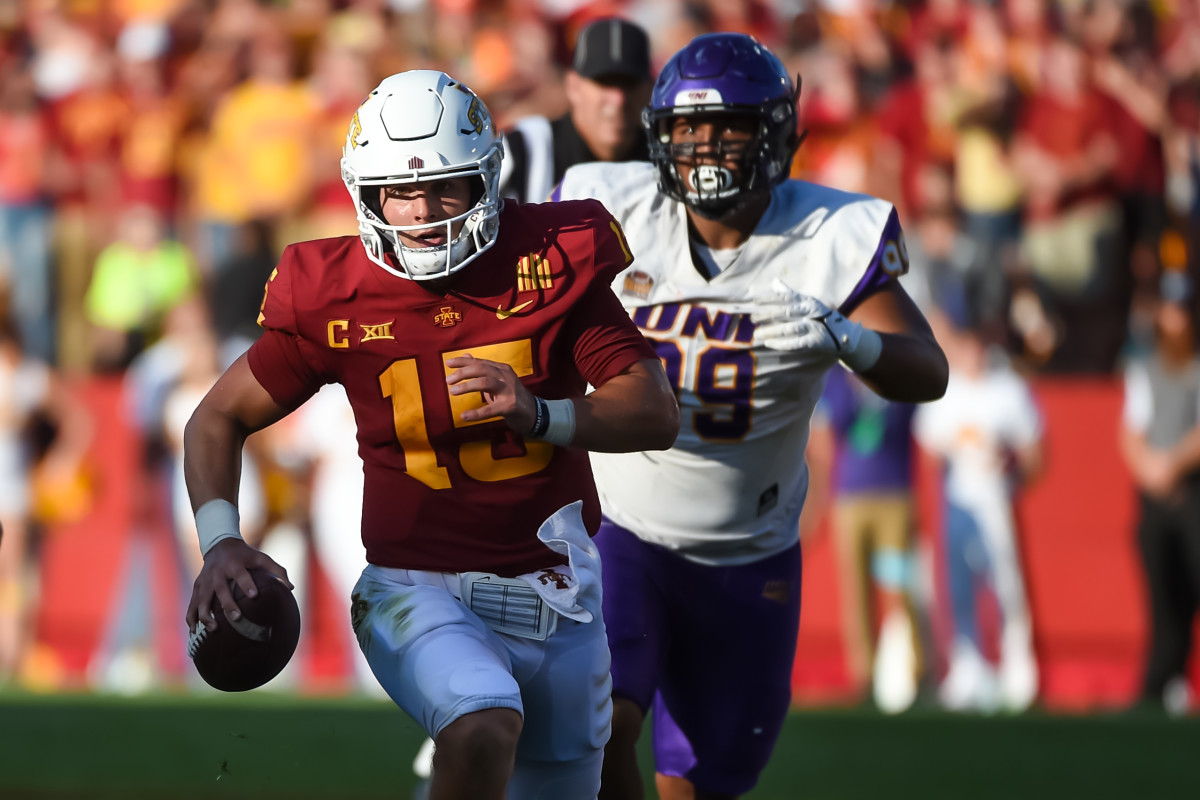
[[235, 407], [634, 410], [911, 367]]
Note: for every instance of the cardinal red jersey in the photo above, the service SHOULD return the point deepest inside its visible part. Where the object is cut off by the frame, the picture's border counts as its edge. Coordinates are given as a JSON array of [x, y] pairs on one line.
[[440, 493]]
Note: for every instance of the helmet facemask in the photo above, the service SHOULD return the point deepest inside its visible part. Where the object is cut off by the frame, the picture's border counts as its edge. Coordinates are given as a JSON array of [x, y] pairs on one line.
[[724, 175], [480, 223], [720, 174], [722, 75]]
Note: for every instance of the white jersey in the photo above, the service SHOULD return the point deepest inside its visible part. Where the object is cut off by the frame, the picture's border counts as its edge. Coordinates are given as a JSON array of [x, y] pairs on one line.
[[731, 489], [974, 427]]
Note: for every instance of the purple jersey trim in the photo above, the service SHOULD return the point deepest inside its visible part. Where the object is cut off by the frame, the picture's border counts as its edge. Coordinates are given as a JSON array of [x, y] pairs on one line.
[[556, 195], [878, 274]]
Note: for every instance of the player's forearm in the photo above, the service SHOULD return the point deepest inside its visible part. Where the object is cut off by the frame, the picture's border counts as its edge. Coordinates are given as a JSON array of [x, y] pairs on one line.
[[235, 407], [911, 369], [212, 455], [635, 410]]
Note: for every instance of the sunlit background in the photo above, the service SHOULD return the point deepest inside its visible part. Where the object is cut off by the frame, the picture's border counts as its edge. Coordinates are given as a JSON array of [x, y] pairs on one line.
[[155, 155]]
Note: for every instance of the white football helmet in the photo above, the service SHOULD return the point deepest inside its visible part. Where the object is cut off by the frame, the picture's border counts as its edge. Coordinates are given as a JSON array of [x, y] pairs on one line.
[[418, 126]]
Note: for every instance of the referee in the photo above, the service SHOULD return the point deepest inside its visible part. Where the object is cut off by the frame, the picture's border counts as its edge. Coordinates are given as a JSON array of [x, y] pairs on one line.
[[607, 85]]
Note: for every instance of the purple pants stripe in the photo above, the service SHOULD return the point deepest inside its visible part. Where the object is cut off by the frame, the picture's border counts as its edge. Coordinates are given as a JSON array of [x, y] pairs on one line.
[[710, 649]]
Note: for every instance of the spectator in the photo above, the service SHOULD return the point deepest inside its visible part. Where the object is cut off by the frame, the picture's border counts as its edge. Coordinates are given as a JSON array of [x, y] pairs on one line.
[[1126, 68], [917, 119], [943, 256], [840, 130], [1065, 153], [1160, 442], [987, 433], [990, 195], [340, 80], [607, 86], [235, 293], [25, 211], [150, 141], [257, 160], [1181, 145], [29, 389], [874, 535], [89, 116], [137, 280]]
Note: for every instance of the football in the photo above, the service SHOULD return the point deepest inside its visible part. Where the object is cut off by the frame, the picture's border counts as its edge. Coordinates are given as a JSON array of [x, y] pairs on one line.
[[243, 655]]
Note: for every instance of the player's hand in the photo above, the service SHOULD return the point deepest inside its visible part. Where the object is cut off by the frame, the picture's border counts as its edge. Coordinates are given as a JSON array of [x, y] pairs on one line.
[[503, 393], [788, 320], [229, 559]]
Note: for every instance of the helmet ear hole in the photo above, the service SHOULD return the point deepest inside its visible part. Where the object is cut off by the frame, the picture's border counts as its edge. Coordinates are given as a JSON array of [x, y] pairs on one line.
[[478, 189], [372, 198]]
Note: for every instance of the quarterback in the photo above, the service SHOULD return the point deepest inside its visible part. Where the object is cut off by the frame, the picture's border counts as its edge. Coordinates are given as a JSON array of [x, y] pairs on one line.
[[752, 287], [465, 331]]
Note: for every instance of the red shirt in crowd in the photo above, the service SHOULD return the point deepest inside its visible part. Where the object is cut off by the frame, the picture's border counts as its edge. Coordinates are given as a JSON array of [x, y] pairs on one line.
[[1066, 130]]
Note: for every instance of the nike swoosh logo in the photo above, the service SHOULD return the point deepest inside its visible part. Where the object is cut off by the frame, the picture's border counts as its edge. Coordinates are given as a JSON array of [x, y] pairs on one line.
[[501, 313]]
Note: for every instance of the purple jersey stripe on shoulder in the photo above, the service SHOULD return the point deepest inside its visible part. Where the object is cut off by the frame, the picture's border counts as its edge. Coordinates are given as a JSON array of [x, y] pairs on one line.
[[556, 195], [889, 262]]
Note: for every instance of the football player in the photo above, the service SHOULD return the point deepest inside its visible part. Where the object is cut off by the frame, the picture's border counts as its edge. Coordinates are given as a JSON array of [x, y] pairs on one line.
[[465, 331], [752, 286]]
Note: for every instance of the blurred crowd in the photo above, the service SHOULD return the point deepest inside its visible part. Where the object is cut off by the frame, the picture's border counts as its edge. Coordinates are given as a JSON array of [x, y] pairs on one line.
[[155, 156]]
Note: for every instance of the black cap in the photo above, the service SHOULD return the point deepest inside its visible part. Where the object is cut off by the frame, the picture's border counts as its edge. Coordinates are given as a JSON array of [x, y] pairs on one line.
[[612, 48]]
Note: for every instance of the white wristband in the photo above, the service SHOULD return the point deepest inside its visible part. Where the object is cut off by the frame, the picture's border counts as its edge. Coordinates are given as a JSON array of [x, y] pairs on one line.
[[216, 520], [560, 429], [866, 352]]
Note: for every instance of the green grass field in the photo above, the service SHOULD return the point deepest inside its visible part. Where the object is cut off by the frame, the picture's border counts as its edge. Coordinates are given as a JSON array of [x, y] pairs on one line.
[[268, 746]]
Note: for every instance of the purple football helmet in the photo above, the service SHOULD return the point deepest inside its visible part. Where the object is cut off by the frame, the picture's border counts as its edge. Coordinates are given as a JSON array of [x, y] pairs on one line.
[[723, 73]]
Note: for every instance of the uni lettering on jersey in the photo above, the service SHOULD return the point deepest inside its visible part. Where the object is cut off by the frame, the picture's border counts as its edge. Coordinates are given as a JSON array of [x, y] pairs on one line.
[[372, 333], [533, 272], [684, 319], [447, 317]]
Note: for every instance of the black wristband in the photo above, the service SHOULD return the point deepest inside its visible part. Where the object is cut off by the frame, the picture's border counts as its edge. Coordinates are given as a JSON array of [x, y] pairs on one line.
[[541, 419]]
